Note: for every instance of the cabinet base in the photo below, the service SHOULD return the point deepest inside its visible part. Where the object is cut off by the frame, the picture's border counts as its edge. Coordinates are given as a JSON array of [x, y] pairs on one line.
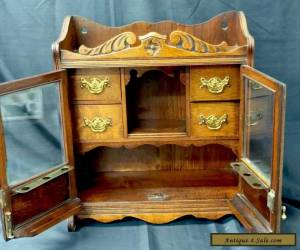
[[155, 212]]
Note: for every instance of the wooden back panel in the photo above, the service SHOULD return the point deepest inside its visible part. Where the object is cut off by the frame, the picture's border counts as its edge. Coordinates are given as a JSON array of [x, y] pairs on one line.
[[167, 157], [97, 33]]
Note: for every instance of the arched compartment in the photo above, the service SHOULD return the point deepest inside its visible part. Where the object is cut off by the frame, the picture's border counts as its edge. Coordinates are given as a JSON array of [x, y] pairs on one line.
[[156, 100], [183, 178]]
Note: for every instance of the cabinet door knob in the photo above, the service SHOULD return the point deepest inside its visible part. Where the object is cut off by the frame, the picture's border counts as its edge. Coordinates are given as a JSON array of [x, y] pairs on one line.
[[97, 124], [95, 85], [213, 122], [215, 85]]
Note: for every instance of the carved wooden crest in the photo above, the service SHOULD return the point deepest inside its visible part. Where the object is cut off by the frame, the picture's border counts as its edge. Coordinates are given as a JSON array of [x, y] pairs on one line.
[[117, 43], [179, 43], [189, 42], [153, 42]]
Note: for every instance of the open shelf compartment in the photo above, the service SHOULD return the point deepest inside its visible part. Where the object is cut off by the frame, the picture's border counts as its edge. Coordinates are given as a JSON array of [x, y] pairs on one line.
[[156, 100], [148, 181]]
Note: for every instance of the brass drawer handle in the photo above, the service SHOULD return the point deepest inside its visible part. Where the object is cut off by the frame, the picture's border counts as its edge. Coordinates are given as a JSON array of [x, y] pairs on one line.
[[98, 124], [95, 85], [213, 122], [215, 85]]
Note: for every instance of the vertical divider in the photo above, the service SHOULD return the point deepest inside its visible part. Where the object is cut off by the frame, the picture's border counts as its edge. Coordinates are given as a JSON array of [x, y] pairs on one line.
[[124, 108], [187, 100]]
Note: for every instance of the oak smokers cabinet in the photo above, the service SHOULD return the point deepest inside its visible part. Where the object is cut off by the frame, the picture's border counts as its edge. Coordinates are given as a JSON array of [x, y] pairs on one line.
[[150, 120]]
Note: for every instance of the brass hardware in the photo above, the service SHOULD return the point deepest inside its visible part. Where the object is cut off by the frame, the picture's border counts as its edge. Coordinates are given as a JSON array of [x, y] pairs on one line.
[[98, 124], [213, 122], [283, 213], [271, 200], [8, 225], [254, 117], [248, 175], [157, 197], [95, 85], [255, 85], [215, 85], [25, 188]]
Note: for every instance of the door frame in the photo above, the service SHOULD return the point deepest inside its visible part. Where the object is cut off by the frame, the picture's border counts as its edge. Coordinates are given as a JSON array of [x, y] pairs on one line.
[[279, 89], [62, 211]]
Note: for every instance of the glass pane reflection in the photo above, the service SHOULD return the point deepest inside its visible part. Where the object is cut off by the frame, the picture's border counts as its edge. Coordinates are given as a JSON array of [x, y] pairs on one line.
[[259, 128], [32, 131]]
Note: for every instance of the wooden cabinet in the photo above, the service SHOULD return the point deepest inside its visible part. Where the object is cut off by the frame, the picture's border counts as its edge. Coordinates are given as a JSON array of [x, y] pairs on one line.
[[150, 120]]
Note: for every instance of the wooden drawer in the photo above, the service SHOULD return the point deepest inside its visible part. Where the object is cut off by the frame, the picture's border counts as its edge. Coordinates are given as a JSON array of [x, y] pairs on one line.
[[97, 122], [215, 119], [215, 82], [102, 85]]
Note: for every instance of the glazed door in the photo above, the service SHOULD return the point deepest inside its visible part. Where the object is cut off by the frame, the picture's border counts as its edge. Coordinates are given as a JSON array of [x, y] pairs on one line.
[[262, 132], [37, 166]]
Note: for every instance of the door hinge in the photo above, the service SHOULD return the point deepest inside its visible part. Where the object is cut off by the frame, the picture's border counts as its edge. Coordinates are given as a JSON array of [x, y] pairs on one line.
[[271, 200], [8, 228], [8, 225]]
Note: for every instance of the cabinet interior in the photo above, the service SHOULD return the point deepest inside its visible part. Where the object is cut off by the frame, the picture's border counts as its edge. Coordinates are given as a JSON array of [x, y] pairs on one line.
[[156, 100], [150, 173]]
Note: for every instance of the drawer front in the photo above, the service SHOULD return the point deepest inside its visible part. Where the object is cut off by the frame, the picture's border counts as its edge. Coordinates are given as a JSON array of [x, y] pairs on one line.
[[215, 83], [97, 122], [101, 85], [215, 119]]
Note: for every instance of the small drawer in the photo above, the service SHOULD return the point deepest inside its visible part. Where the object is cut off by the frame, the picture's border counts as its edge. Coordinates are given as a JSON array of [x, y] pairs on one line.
[[215, 119], [102, 85], [98, 122], [214, 83]]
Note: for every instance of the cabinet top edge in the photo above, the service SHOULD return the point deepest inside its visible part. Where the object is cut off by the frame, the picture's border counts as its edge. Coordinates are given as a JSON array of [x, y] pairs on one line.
[[223, 35], [224, 14]]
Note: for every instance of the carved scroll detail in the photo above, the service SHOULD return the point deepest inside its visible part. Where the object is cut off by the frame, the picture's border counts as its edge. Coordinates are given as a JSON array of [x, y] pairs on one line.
[[186, 41], [117, 43], [176, 44]]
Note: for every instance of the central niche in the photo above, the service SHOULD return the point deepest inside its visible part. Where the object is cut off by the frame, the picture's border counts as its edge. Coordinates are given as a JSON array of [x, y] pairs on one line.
[[156, 100]]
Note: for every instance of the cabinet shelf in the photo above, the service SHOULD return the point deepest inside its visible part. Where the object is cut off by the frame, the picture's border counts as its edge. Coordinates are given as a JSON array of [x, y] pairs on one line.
[[144, 127], [147, 192], [164, 139]]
